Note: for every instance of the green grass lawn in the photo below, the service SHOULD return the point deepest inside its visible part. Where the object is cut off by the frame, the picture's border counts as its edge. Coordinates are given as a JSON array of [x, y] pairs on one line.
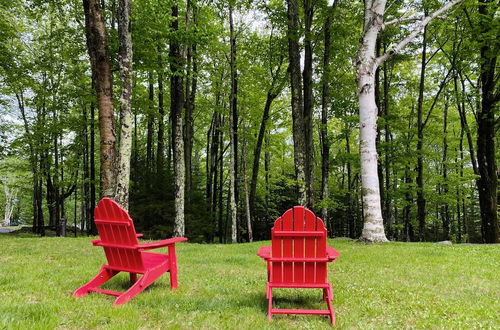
[[393, 285]]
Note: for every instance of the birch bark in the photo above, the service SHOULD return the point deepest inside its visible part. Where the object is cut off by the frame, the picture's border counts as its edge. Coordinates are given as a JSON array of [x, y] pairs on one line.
[[366, 65], [125, 57], [176, 105]]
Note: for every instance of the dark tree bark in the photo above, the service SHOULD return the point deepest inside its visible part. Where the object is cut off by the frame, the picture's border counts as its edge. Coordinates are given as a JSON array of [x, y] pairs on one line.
[[160, 146], [233, 122], [97, 46], [387, 163], [150, 128], [420, 134], [325, 101], [445, 207], [92, 227], [299, 143], [486, 128], [191, 86], [308, 101]]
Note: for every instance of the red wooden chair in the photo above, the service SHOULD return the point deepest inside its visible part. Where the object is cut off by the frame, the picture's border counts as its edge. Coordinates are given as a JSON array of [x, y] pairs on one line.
[[298, 258], [124, 254]]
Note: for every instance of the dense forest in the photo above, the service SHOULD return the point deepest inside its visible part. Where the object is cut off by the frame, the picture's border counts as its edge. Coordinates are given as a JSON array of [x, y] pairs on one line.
[[208, 119]]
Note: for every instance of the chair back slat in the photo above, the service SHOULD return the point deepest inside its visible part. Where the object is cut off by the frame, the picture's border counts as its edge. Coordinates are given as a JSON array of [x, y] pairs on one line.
[[298, 244], [276, 251], [309, 242], [115, 226]]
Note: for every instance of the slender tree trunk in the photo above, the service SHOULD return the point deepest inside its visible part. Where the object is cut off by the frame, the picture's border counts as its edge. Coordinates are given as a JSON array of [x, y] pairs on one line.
[[258, 148], [299, 143], [160, 146], [267, 164], [387, 164], [176, 106], [191, 86], [350, 188], [420, 132], [446, 211], [308, 101], [92, 227], [486, 128], [149, 134], [325, 101], [233, 122], [222, 230], [101, 71], [247, 193], [125, 56]]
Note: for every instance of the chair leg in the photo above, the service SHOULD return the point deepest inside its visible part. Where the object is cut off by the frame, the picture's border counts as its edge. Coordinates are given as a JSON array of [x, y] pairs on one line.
[[329, 303], [133, 291], [172, 266], [133, 278], [270, 304], [104, 275], [325, 295]]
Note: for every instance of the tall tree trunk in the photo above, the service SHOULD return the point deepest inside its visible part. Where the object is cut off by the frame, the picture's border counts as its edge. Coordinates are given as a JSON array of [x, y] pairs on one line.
[[160, 146], [490, 95], [373, 229], [445, 211], [125, 56], [222, 230], [176, 106], [258, 148], [191, 86], [247, 193], [350, 207], [233, 122], [325, 101], [299, 143], [420, 133], [92, 229], [97, 46], [149, 134], [388, 149], [308, 101], [366, 65]]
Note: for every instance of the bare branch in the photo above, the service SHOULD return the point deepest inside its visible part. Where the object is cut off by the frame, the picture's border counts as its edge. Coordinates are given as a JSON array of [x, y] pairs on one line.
[[420, 26], [402, 19]]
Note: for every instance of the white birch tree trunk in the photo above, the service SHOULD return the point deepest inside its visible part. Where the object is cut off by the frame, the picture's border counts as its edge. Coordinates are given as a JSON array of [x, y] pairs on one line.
[[10, 201], [366, 65], [180, 173], [125, 150]]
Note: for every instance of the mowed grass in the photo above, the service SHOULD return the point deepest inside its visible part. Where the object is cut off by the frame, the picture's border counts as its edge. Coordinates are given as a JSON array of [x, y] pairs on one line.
[[393, 285]]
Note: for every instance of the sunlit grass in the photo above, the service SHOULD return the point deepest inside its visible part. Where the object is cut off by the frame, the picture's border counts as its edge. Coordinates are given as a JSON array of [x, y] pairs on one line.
[[394, 285]]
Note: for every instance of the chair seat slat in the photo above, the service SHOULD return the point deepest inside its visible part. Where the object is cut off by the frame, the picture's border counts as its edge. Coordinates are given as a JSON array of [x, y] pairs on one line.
[[291, 233]]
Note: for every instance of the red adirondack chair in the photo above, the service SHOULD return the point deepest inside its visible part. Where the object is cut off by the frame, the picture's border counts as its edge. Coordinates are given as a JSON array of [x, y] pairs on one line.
[[125, 254], [298, 258]]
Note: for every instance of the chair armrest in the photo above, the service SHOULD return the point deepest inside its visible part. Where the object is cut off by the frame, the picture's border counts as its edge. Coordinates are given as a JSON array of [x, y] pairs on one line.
[[331, 253], [159, 244], [96, 242], [264, 252], [139, 235]]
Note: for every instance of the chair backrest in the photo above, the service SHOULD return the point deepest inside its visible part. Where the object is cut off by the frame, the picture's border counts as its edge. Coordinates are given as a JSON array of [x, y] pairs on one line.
[[118, 236], [299, 240]]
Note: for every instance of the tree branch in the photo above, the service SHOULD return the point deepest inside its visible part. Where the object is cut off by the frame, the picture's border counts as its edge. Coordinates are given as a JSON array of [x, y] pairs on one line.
[[402, 19], [420, 26]]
